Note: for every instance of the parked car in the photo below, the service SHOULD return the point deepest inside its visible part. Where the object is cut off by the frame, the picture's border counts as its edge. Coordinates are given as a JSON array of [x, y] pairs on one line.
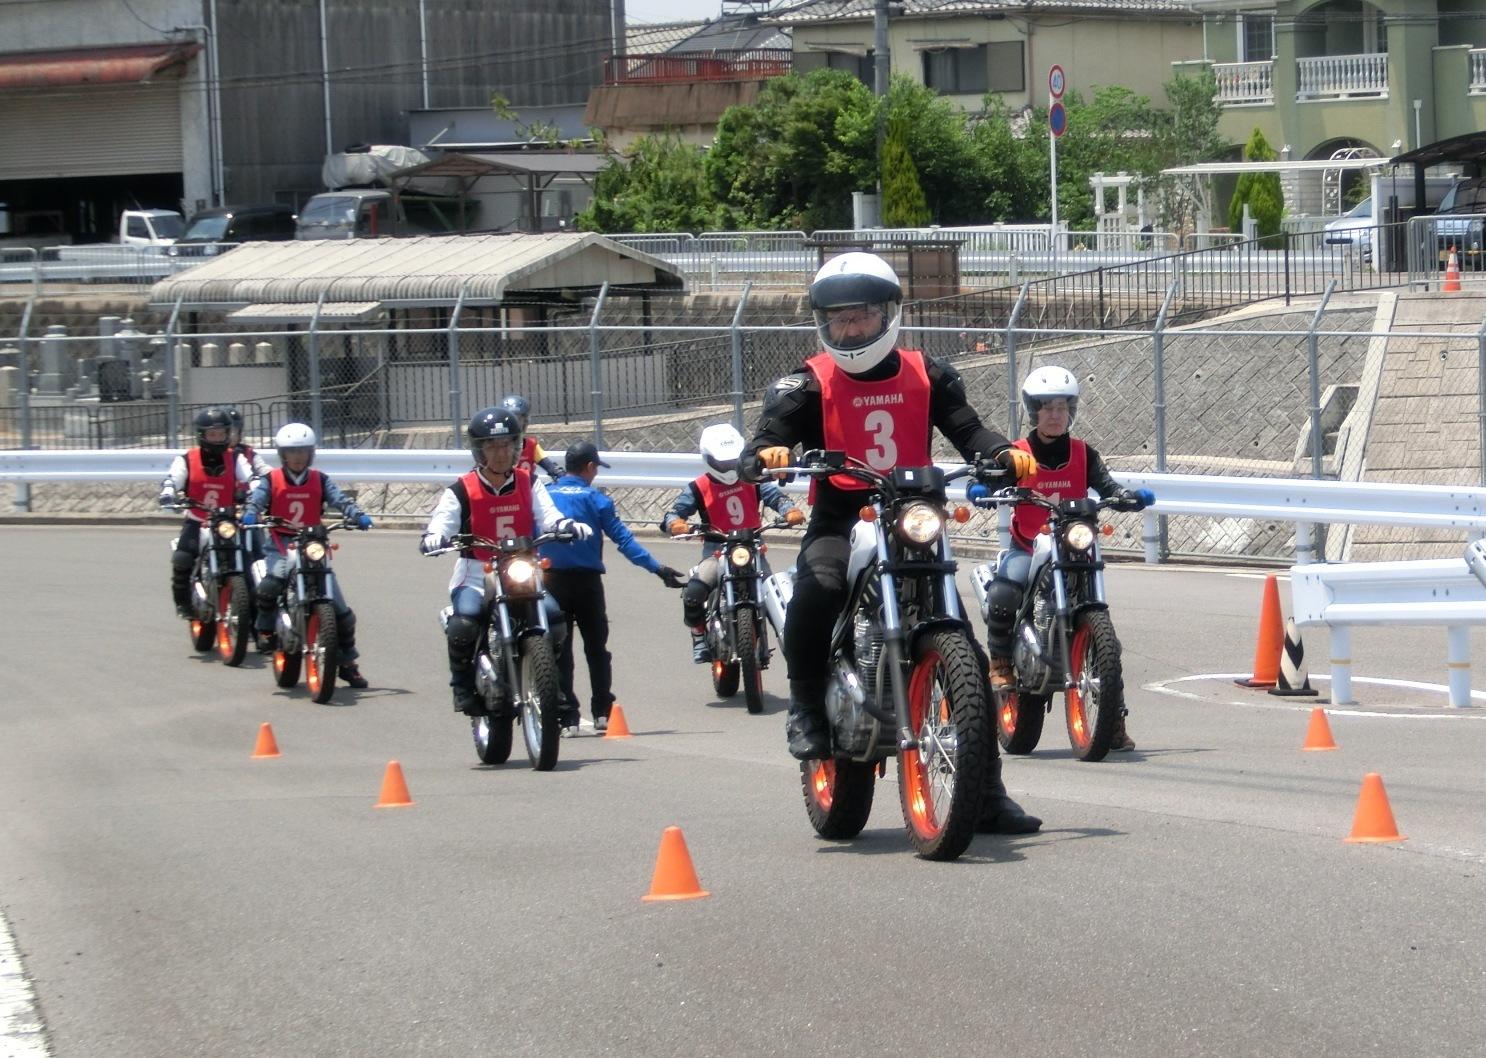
[[367, 214], [150, 229], [1353, 228], [1460, 223], [213, 229]]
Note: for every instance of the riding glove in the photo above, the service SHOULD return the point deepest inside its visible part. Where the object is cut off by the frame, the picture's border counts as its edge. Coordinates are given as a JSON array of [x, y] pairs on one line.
[[794, 516], [678, 526], [433, 542], [672, 578], [250, 517], [582, 530], [1022, 465], [363, 522]]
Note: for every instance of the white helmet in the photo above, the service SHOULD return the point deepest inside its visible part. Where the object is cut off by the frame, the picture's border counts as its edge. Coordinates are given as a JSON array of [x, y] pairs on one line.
[[722, 446], [1048, 383], [294, 435], [865, 281]]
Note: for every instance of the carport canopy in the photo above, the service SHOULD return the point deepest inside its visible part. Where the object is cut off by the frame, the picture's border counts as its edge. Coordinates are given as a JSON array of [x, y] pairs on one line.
[[534, 170], [1467, 151], [427, 271]]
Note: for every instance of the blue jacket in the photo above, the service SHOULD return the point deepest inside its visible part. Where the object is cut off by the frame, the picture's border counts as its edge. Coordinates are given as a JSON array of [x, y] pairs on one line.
[[580, 501]]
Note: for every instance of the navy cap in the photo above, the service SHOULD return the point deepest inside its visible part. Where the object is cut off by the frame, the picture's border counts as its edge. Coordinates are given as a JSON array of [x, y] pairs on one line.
[[580, 454]]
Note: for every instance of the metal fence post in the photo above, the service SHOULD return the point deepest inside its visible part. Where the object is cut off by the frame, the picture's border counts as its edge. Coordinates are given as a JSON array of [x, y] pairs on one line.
[[23, 488], [1013, 395], [738, 357], [456, 390], [1313, 353], [1481, 396], [1158, 369], [314, 355], [1287, 268], [172, 384], [595, 368]]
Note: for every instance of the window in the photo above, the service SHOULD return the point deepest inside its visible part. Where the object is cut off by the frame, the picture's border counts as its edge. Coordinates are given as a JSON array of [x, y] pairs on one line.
[[957, 71], [859, 66], [1256, 38], [137, 228], [1006, 71]]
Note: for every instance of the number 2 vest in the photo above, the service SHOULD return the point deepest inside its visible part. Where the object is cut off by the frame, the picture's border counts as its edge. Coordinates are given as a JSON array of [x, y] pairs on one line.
[[728, 507], [884, 424], [496, 515], [300, 503], [210, 490], [1069, 481]]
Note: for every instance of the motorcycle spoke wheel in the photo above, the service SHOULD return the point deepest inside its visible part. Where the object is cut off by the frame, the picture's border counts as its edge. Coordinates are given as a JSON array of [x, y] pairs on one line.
[[234, 605], [203, 631], [838, 796], [942, 776], [1097, 697], [541, 703], [322, 658], [751, 676]]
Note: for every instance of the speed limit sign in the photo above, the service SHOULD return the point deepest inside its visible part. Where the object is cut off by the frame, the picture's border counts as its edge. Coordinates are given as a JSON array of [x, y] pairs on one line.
[[1055, 82]]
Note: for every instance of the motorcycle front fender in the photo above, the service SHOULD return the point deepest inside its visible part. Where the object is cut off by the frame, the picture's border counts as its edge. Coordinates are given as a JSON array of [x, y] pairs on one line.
[[924, 628]]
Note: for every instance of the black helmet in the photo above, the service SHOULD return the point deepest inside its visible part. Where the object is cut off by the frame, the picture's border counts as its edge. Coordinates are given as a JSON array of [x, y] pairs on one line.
[[211, 419], [492, 423], [518, 406]]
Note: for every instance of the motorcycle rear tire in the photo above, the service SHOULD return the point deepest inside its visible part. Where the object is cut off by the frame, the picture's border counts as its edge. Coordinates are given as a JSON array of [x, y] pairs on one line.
[[203, 632], [941, 797], [286, 665], [234, 602], [724, 678], [1019, 719], [492, 736], [1094, 704], [541, 703], [323, 652], [838, 796], [750, 675]]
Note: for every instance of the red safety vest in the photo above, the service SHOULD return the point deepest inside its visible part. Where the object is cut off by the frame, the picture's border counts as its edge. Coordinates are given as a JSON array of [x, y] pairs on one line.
[[527, 460], [884, 424], [1069, 481], [210, 490], [728, 507], [300, 503], [496, 516]]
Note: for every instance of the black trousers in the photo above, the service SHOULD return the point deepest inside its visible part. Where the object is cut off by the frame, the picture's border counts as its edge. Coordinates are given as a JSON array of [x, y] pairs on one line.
[[187, 548], [819, 596], [580, 594]]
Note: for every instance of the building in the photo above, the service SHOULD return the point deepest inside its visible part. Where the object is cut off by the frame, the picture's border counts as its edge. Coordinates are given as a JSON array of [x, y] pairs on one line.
[[189, 103]]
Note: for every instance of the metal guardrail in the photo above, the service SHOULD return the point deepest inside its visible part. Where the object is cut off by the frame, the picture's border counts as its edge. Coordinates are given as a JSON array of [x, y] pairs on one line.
[[1436, 592]]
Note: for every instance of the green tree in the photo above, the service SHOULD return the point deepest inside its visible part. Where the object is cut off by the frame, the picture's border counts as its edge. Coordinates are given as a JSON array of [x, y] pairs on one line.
[[903, 203], [1009, 168], [660, 185], [938, 138], [1260, 191]]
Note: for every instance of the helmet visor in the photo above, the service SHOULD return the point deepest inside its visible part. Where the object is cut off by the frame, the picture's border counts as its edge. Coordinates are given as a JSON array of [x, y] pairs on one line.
[[853, 326]]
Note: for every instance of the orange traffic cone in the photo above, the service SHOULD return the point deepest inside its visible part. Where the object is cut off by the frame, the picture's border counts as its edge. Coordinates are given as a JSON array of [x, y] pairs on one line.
[[1374, 819], [1271, 639], [1452, 274], [675, 878], [618, 728], [266, 746], [1318, 735], [394, 788]]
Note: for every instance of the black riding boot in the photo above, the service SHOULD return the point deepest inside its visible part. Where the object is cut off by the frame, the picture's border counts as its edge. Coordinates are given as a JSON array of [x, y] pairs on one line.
[[806, 728], [999, 814]]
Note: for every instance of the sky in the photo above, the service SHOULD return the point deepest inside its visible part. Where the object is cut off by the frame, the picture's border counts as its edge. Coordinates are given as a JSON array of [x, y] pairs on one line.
[[670, 10]]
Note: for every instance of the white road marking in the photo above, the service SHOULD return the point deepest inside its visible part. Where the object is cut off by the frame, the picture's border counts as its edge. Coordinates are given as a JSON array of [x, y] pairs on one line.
[[1165, 687], [21, 1031]]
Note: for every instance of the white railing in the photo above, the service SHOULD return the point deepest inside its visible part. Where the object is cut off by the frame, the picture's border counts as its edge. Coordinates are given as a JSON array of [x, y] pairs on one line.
[[1241, 83], [1434, 592], [1478, 71], [1341, 76]]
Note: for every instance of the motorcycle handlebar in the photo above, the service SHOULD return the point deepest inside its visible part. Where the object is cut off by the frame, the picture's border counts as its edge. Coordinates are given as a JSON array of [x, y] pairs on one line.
[[701, 532], [463, 541]]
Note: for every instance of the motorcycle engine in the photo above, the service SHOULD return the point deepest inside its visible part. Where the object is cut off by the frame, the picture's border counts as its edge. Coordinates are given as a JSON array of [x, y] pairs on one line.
[[1033, 661], [852, 724], [868, 634]]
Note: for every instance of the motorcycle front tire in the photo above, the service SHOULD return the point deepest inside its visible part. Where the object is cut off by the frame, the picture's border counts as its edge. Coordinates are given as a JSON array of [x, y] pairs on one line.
[[541, 702], [323, 652], [750, 675], [1097, 698], [234, 603]]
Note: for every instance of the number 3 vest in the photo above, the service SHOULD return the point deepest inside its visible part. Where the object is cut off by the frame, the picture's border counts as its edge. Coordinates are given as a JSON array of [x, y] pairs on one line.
[[496, 515], [1069, 481], [728, 507], [884, 424]]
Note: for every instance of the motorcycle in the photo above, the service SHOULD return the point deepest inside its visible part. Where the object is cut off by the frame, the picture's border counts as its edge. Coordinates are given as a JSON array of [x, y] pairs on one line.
[[306, 633], [737, 632], [1063, 639], [906, 677], [516, 661], [221, 593]]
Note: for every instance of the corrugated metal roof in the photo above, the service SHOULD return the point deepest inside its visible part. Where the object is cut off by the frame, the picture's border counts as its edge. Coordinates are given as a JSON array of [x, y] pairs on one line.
[[648, 39], [427, 270], [305, 311], [123, 64], [814, 11]]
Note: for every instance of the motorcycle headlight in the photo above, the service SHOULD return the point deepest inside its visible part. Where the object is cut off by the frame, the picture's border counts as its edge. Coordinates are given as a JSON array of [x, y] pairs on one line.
[[920, 524], [1079, 536], [739, 556], [520, 571], [227, 530], [314, 550]]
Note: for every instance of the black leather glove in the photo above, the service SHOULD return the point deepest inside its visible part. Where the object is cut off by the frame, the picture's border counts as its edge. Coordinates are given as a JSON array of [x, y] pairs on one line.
[[671, 577], [1138, 500]]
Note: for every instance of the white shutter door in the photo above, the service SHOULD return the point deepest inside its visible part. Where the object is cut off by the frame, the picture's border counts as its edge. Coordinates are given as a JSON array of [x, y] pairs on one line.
[[111, 131]]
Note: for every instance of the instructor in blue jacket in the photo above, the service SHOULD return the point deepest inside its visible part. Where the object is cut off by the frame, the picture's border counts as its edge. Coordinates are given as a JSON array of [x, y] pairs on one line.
[[575, 578]]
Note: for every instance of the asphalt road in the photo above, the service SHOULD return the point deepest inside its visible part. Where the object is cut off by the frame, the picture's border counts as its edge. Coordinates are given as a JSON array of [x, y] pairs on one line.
[[170, 896]]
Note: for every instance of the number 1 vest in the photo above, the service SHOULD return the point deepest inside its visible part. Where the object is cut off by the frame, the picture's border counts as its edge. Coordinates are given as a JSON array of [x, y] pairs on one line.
[[1069, 481], [728, 507], [884, 424], [496, 515], [296, 503], [210, 490]]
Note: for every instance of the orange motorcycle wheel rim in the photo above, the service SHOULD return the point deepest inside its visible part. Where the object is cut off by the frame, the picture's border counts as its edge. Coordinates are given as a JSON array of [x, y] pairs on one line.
[[823, 783], [1080, 732], [224, 633], [923, 702], [312, 656]]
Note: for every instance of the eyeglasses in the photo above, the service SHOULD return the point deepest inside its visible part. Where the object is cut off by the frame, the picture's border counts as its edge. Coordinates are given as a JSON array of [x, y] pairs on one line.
[[847, 317]]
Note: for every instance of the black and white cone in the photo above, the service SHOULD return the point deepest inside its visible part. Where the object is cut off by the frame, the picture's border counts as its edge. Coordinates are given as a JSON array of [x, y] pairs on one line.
[[1294, 681]]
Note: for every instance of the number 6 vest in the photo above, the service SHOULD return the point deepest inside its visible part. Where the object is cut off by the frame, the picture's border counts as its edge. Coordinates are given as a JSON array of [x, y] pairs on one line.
[[885, 424]]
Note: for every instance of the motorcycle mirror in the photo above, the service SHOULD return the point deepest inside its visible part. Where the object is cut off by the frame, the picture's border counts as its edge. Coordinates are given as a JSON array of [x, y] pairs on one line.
[[867, 514], [961, 515], [1107, 529]]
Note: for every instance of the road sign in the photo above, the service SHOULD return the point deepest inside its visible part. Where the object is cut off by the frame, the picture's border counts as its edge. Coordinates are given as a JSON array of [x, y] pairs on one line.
[[1055, 81], [1057, 119]]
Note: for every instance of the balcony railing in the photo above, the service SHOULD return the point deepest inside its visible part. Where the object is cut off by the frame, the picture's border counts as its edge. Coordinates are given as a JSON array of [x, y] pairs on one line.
[[681, 67], [1342, 77], [1244, 82], [1478, 71]]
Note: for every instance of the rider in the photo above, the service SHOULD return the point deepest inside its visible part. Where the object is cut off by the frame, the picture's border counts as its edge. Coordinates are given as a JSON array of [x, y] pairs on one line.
[[260, 465], [1067, 468], [210, 475], [532, 454], [725, 504], [863, 395], [496, 499], [297, 493]]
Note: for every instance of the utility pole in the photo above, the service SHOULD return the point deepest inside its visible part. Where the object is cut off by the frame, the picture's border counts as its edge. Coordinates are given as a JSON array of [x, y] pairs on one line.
[[881, 75]]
